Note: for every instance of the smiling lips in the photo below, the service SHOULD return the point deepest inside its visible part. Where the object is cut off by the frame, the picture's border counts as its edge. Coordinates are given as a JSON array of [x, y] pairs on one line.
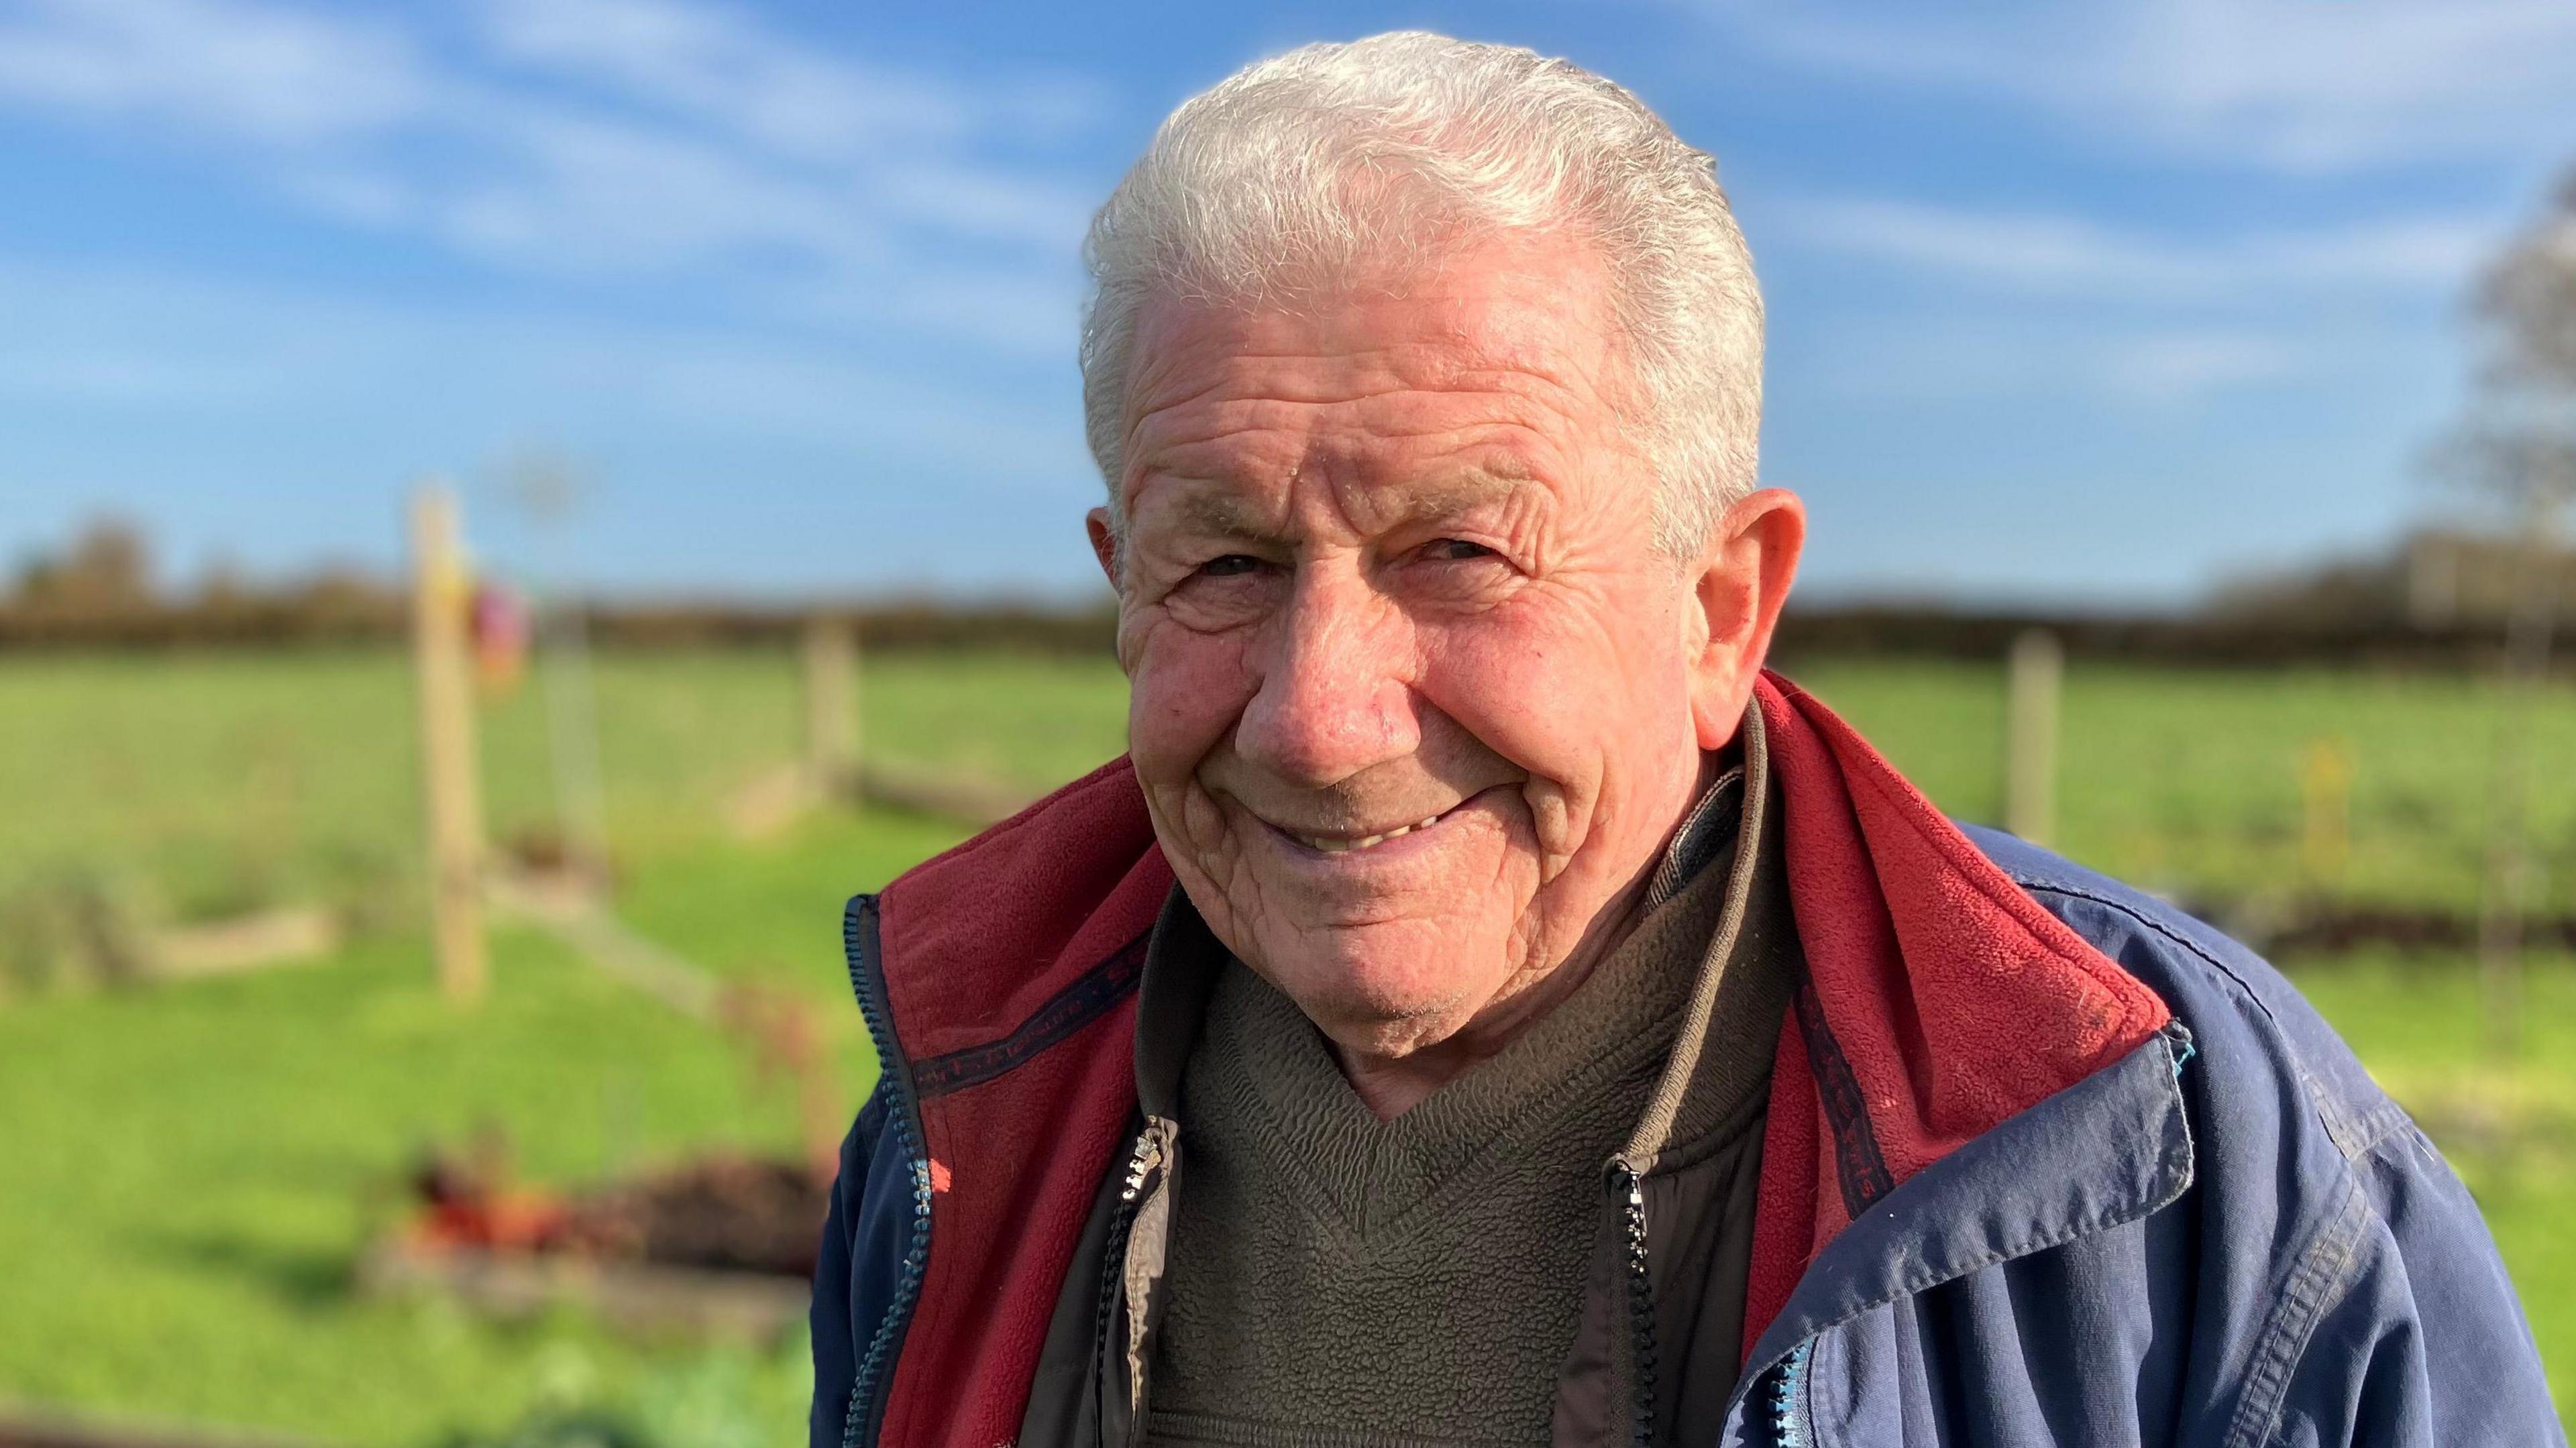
[[1349, 844], [1331, 845]]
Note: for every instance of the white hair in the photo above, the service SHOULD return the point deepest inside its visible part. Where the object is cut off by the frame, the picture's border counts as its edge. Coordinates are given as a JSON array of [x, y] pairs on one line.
[[1295, 170]]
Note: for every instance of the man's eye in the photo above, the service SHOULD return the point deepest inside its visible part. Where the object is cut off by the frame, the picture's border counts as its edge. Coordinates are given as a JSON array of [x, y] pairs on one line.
[[1229, 565], [1455, 550]]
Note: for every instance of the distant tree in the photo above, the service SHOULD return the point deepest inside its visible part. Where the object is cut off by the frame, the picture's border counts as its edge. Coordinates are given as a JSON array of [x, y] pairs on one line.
[[106, 570], [2530, 297], [2516, 451]]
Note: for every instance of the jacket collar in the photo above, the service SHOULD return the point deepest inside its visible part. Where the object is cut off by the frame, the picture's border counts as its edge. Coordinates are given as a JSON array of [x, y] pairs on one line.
[[2104, 1152], [1942, 1001], [989, 937]]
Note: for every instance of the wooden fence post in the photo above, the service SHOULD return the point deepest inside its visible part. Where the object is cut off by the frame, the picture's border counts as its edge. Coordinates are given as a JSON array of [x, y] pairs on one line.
[[2033, 675], [2325, 807], [448, 776], [832, 707], [2530, 632]]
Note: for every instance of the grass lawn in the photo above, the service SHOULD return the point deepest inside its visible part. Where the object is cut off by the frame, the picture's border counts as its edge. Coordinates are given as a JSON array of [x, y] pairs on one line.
[[2190, 781], [191, 1173], [190, 1169], [217, 781]]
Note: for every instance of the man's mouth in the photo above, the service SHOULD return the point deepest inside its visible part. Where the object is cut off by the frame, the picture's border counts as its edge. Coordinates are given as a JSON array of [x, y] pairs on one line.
[[1342, 844]]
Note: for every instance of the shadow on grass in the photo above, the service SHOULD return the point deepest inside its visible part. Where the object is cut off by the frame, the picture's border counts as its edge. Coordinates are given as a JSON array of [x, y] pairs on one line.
[[586, 1429], [305, 1278]]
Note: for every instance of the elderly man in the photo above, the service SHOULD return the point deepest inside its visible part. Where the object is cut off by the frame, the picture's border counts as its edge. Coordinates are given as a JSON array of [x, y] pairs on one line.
[[1485, 1008]]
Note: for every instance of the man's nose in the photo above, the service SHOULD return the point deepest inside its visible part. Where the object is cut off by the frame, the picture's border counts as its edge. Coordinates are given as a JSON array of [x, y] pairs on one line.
[[1333, 698]]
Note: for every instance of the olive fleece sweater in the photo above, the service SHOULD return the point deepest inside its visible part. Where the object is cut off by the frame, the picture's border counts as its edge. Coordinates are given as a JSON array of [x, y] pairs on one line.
[[1337, 1281]]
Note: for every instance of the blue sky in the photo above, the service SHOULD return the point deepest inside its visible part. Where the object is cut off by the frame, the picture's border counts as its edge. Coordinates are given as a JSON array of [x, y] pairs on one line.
[[2084, 303]]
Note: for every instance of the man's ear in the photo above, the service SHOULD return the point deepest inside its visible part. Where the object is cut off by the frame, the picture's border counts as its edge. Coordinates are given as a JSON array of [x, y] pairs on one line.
[[1104, 543], [1742, 579]]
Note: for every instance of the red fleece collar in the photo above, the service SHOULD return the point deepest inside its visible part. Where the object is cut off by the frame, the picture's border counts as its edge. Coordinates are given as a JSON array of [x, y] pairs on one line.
[[1941, 1000]]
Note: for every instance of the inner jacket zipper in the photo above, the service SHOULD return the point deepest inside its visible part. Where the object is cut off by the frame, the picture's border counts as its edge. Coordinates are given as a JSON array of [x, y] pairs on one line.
[[1785, 1383], [859, 1424], [1142, 1158], [1641, 1309]]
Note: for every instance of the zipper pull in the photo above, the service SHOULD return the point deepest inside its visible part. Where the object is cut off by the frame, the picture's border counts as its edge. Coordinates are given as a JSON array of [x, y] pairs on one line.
[[1141, 1161]]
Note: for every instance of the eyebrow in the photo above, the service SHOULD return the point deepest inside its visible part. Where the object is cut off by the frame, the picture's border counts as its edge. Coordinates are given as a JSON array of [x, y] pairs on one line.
[[1204, 508], [1205, 505], [1450, 494]]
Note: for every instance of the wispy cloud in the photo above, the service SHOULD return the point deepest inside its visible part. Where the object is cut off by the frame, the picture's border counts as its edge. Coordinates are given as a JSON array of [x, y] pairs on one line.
[[1943, 360], [2294, 85], [2043, 252], [728, 70], [152, 343], [2183, 366], [250, 72], [608, 138]]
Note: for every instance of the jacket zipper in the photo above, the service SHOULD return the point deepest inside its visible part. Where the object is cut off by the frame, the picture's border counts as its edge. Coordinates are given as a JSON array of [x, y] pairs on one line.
[[1144, 1162], [1787, 1381], [1113, 1260], [858, 1425], [1786, 1392], [1641, 1310]]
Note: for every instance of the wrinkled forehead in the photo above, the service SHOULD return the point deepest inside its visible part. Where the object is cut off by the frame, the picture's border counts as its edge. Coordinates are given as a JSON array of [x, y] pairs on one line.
[[1505, 360]]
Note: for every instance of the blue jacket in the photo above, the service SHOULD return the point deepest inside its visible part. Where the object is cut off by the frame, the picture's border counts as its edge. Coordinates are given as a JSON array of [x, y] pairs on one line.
[[2226, 1235]]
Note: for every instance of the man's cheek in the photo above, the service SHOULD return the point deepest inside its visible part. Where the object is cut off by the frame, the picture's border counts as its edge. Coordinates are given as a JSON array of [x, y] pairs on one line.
[[1495, 691], [1186, 693]]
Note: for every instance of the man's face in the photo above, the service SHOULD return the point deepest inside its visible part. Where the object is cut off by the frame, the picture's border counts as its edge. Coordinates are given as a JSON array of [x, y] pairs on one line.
[[1412, 687]]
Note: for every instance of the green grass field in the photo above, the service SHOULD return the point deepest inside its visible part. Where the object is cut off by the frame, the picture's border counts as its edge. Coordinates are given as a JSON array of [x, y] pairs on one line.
[[190, 1170]]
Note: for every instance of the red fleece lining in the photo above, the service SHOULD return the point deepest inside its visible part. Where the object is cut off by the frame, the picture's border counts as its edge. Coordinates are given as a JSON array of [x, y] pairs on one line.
[[984, 934], [1011, 1220], [1957, 1000], [974, 942]]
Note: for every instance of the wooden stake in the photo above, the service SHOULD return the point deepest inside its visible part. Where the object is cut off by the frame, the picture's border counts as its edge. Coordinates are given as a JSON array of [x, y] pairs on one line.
[[2506, 894], [448, 776], [2325, 797], [832, 707], [2033, 675]]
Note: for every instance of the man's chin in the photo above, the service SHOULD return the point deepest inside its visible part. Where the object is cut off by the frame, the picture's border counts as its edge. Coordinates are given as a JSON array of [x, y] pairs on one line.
[[1378, 1003]]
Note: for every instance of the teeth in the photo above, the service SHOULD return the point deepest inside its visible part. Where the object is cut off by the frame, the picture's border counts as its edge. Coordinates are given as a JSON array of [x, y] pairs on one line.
[[1335, 847]]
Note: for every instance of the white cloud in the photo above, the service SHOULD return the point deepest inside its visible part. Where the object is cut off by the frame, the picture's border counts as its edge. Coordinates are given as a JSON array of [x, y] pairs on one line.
[[2184, 366], [1946, 361], [257, 72], [802, 109], [2041, 252], [724, 68], [167, 346], [605, 138], [577, 193], [2296, 85]]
